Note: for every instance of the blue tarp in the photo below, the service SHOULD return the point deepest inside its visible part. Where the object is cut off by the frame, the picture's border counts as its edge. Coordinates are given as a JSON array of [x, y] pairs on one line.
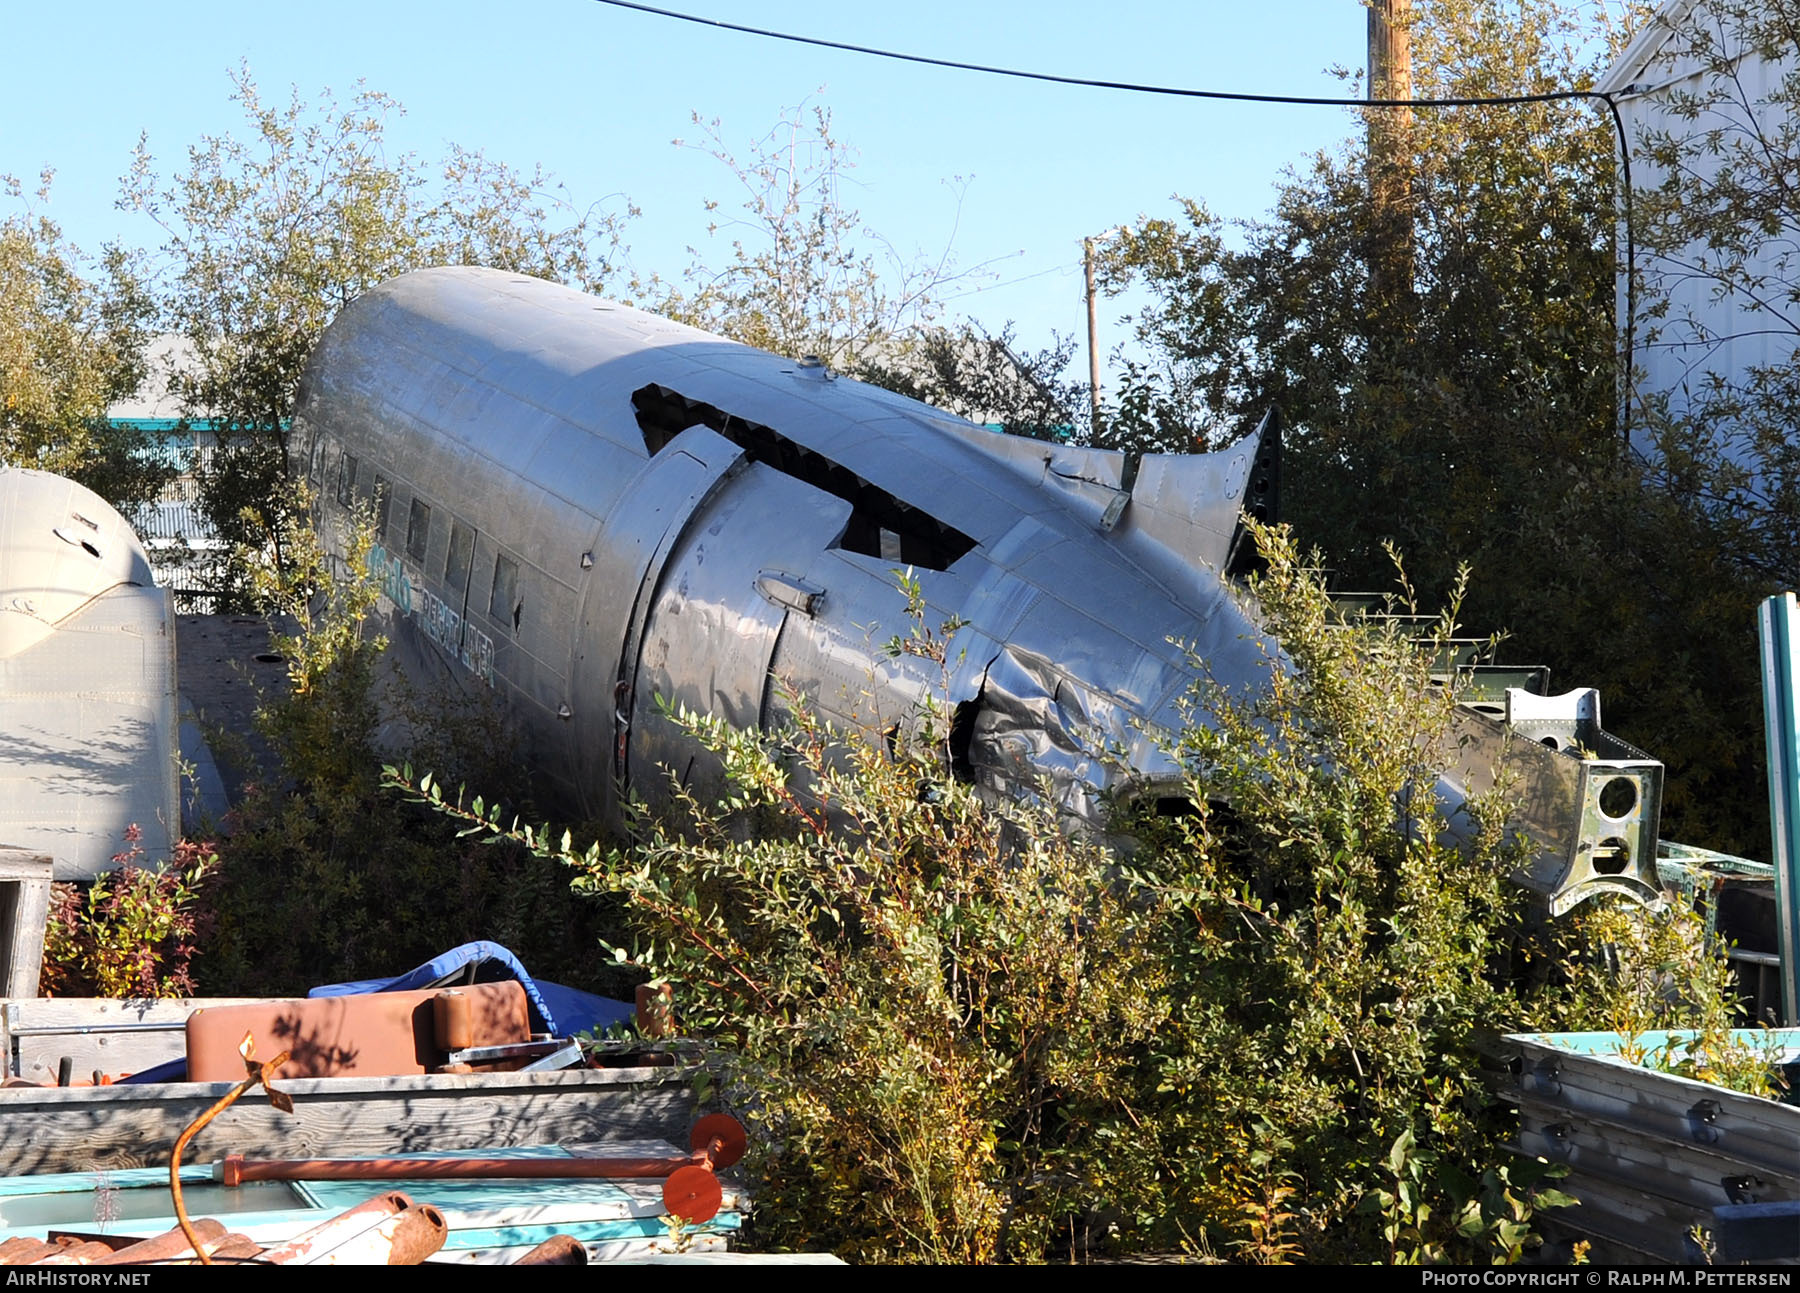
[[555, 1009]]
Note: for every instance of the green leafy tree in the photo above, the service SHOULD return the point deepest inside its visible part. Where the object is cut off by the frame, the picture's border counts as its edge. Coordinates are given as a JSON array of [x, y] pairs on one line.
[[1334, 963], [1473, 417], [805, 274], [1718, 220], [71, 344], [270, 233], [1440, 418]]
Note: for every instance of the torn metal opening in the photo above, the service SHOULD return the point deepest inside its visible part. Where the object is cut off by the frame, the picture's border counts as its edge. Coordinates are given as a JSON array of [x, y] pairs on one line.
[[962, 735], [881, 525]]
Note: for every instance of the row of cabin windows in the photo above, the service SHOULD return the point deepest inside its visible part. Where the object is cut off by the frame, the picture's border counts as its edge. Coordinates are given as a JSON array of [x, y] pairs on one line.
[[503, 592]]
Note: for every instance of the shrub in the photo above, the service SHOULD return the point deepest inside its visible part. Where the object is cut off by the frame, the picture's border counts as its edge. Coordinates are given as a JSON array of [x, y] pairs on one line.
[[1333, 960], [965, 1035], [1639, 972], [931, 1002], [133, 932]]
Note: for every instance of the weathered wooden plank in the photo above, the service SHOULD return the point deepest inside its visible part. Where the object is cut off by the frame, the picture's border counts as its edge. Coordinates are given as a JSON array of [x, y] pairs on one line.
[[1763, 1135], [73, 1130], [1651, 1154], [1685, 1172], [1654, 1226], [24, 907], [114, 1036], [1560, 1238], [1629, 1194]]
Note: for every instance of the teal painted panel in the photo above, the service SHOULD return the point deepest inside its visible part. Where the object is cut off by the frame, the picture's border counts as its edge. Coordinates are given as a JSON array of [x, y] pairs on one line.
[[264, 1227], [588, 1233], [598, 1199], [76, 1182], [1778, 628], [482, 1214], [127, 1211], [1783, 1043]]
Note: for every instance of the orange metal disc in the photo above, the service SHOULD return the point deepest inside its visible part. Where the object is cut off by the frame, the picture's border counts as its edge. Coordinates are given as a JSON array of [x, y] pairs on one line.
[[729, 1132], [693, 1194]]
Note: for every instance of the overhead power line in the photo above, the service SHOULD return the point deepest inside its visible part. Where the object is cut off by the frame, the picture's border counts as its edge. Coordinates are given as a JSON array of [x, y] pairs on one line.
[[1093, 83], [1229, 96]]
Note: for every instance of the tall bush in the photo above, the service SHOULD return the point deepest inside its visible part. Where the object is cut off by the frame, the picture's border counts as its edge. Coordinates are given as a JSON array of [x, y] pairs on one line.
[[931, 1001], [963, 1035]]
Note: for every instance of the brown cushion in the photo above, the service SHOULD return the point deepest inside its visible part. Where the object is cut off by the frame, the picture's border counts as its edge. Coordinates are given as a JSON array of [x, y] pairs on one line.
[[379, 1034]]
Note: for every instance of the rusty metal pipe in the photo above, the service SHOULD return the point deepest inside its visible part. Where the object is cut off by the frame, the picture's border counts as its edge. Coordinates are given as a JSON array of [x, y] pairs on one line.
[[21, 1250], [33, 1250], [236, 1248], [557, 1250], [418, 1233], [78, 1254], [255, 1074], [406, 1238], [236, 1169], [171, 1245], [338, 1230]]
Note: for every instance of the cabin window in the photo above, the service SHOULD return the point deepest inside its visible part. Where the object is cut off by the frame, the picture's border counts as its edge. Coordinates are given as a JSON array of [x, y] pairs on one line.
[[503, 600], [318, 455], [418, 530], [462, 552], [384, 498], [881, 524], [346, 487]]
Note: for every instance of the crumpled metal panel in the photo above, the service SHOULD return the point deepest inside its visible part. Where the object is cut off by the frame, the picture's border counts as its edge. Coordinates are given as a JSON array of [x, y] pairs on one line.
[[693, 519]]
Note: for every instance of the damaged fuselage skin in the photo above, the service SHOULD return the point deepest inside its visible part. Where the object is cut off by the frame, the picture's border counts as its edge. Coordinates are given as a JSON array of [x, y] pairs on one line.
[[586, 508]]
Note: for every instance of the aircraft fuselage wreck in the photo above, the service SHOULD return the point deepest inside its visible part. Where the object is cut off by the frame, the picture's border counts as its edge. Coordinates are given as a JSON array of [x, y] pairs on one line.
[[586, 507]]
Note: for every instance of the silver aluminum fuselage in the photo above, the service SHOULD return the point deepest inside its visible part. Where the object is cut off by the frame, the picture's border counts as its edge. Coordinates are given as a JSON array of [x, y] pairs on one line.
[[531, 538], [602, 514]]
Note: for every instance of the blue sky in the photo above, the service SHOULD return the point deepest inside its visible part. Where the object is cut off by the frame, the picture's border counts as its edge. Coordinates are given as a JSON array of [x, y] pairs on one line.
[[596, 94]]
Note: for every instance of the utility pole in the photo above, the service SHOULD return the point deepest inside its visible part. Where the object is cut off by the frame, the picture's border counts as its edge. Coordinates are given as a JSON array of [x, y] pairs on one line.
[[1087, 261], [1390, 151], [1087, 265]]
